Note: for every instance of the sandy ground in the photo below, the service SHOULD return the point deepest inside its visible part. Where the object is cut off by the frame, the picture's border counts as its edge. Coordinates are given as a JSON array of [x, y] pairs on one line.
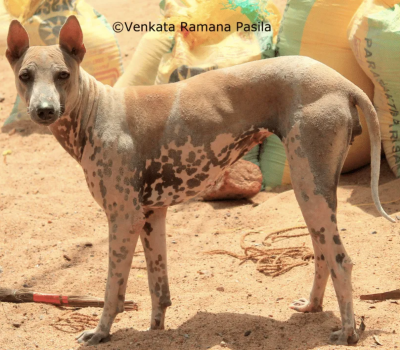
[[47, 212]]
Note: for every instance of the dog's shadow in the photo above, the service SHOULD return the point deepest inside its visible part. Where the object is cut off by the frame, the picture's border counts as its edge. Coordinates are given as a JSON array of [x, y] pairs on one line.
[[25, 128], [234, 331], [260, 198]]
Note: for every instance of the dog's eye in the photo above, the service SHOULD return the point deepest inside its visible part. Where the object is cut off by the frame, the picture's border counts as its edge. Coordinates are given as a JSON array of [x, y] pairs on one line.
[[24, 76], [63, 75]]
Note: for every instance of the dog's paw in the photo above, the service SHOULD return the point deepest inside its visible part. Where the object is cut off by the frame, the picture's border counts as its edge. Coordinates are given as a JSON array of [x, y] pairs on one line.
[[155, 327], [342, 337], [304, 305], [93, 337]]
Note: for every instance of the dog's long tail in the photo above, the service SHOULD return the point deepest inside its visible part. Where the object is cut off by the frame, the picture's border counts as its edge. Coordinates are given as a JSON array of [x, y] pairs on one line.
[[371, 118]]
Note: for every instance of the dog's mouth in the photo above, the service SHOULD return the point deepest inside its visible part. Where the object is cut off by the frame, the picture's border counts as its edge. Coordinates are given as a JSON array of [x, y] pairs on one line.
[[43, 122]]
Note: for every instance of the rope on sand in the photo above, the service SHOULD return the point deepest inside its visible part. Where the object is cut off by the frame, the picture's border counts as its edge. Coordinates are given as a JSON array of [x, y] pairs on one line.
[[272, 261]]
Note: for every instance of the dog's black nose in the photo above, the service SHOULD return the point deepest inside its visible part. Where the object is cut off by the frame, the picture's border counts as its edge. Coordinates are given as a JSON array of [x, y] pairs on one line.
[[45, 113]]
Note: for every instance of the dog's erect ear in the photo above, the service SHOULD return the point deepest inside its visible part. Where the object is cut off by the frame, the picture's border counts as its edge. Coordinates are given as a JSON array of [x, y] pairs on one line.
[[17, 42], [71, 38]]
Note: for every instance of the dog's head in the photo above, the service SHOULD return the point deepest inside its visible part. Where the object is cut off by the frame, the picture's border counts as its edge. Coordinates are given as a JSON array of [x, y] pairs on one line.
[[47, 77]]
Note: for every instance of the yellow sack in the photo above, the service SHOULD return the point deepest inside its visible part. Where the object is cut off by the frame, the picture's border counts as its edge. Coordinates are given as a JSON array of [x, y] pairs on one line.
[[318, 29], [197, 51], [374, 36], [5, 19], [143, 67], [43, 20]]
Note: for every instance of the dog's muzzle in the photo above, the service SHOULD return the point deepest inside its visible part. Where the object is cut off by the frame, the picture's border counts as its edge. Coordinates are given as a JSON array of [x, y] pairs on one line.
[[45, 113]]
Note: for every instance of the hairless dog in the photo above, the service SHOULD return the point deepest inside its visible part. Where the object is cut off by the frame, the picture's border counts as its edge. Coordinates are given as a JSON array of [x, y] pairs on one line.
[[143, 149]]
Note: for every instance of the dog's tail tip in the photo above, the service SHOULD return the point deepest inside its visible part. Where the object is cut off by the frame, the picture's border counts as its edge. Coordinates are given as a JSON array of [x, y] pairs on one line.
[[383, 212], [390, 218]]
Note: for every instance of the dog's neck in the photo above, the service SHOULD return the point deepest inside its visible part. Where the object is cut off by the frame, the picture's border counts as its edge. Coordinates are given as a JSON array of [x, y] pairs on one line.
[[70, 128]]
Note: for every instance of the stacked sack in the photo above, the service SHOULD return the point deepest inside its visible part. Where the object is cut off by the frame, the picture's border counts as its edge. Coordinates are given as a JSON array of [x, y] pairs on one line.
[[5, 19], [43, 20], [198, 51], [165, 57], [318, 29], [374, 36]]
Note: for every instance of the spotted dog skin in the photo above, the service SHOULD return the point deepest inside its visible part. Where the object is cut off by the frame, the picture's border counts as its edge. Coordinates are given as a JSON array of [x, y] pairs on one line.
[[143, 149]]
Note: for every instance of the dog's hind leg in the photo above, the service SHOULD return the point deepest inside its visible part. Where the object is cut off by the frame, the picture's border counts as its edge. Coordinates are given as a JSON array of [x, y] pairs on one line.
[[123, 236], [316, 153], [153, 238], [314, 303]]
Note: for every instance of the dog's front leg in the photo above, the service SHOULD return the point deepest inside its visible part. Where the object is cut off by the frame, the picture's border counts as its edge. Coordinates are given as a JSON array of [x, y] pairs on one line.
[[123, 236], [153, 238]]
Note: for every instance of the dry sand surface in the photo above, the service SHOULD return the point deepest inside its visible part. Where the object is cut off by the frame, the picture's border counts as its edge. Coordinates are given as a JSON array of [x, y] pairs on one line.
[[47, 212]]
